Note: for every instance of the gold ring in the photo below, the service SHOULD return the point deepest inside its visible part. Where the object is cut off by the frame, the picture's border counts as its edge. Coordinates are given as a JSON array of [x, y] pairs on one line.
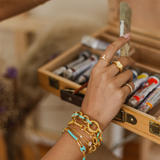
[[131, 89], [104, 58], [119, 65]]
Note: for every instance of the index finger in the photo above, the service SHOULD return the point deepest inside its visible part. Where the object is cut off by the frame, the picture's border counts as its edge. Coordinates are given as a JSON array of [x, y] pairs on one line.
[[113, 48]]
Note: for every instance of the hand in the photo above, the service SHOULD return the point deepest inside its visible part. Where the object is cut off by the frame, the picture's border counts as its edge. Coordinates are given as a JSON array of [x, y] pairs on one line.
[[106, 91]]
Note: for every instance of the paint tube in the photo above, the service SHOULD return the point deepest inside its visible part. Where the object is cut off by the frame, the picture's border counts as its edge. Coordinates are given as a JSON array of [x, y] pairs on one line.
[[96, 43], [73, 72], [138, 82], [142, 78], [146, 89], [82, 56], [84, 77], [151, 101]]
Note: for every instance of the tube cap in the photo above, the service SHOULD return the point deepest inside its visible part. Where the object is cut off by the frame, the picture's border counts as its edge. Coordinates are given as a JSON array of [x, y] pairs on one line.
[[133, 103], [68, 73], [137, 70], [86, 53]]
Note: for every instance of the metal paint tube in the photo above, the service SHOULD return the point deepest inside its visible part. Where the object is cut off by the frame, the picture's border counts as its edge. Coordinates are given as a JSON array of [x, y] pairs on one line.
[[73, 72], [84, 77], [96, 43], [82, 56], [146, 89], [151, 101]]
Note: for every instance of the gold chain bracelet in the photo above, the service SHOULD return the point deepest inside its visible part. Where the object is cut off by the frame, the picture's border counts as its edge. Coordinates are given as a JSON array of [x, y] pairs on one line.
[[85, 119], [95, 135]]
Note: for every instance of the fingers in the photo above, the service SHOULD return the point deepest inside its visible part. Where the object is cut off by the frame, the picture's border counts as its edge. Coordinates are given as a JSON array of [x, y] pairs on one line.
[[126, 89], [123, 78], [125, 61], [112, 49]]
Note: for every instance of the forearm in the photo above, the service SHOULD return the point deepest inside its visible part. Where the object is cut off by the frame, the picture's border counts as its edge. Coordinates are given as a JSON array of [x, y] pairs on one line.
[[66, 148], [9, 8]]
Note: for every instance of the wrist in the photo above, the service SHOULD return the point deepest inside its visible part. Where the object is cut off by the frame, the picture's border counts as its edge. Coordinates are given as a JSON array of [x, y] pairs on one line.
[[86, 132], [97, 118]]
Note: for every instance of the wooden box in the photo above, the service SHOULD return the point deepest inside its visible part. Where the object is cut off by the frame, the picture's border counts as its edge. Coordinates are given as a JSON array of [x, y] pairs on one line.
[[145, 38]]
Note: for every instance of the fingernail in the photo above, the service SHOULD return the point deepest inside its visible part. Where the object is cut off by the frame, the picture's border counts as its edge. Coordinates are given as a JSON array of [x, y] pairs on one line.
[[127, 35]]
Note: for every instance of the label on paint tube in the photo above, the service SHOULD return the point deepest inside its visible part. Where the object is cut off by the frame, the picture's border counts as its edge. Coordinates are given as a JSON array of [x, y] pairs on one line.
[[151, 101], [140, 80], [147, 88]]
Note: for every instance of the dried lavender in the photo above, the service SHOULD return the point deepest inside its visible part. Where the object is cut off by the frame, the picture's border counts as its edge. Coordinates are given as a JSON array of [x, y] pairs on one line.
[[11, 73], [15, 105]]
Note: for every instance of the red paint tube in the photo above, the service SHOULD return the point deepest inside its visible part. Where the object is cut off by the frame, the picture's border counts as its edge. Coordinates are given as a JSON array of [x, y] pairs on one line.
[[145, 90]]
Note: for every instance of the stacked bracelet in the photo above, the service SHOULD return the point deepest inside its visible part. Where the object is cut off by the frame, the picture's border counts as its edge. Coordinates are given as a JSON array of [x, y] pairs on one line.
[[95, 135], [88, 143], [82, 147]]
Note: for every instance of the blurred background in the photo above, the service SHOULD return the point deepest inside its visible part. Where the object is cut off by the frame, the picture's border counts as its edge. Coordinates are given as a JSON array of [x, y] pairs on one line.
[[34, 123]]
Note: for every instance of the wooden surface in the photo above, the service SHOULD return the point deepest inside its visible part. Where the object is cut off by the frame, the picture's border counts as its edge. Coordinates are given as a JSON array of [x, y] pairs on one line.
[[142, 126], [145, 16], [112, 32]]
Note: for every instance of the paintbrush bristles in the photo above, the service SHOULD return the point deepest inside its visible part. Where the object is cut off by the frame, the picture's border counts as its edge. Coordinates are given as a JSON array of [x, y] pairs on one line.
[[125, 13], [125, 24]]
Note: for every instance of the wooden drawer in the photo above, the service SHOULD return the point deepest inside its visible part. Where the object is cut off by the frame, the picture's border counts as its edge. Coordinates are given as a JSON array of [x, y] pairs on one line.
[[147, 58]]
